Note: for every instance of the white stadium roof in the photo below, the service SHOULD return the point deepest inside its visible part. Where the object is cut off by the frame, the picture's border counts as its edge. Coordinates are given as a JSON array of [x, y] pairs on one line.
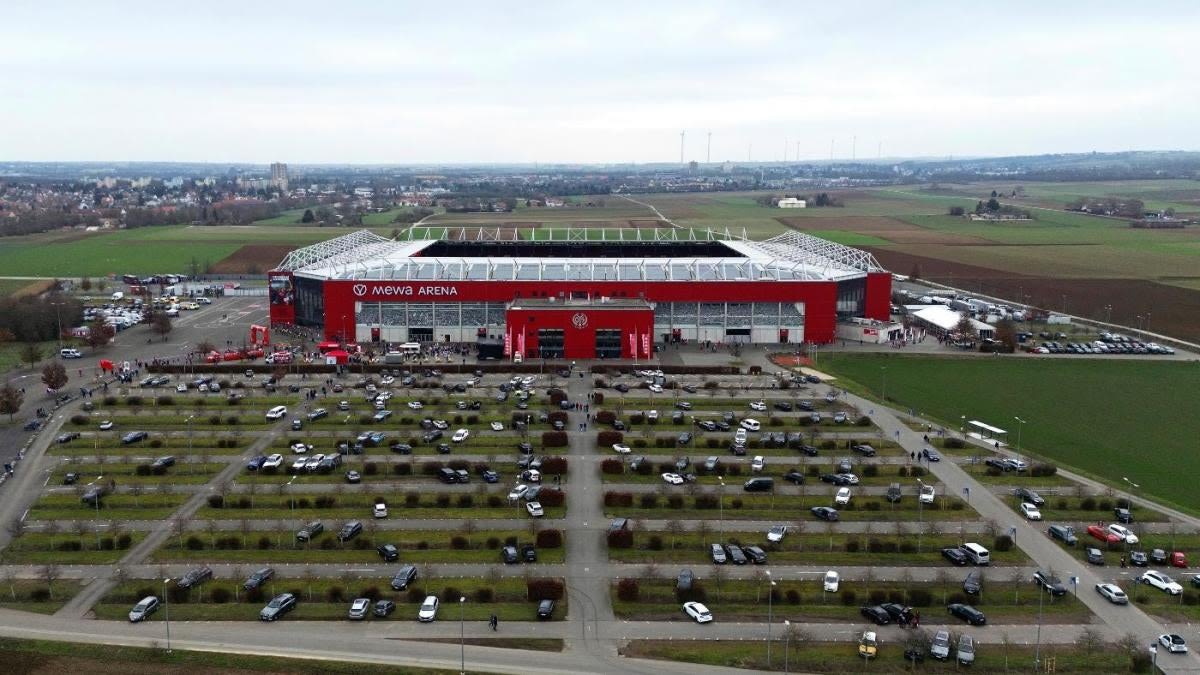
[[789, 256]]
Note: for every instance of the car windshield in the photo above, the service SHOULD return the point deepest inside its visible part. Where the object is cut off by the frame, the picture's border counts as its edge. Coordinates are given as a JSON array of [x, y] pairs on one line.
[[428, 604], [277, 602], [941, 639]]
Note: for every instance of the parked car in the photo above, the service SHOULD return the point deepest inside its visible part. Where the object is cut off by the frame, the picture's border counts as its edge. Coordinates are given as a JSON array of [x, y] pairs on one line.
[[875, 614], [736, 556], [1123, 515], [776, 533], [388, 552], [1113, 593], [939, 647], [965, 654], [195, 577], [831, 581], [967, 613], [277, 607], [428, 610], [955, 555], [755, 554], [717, 552], [359, 609], [1101, 533], [1123, 533], [1063, 533], [1094, 556], [384, 608], [698, 612], [825, 513], [143, 609], [1161, 581], [259, 578], [545, 609], [1050, 582], [1030, 511], [1030, 496], [350, 530]]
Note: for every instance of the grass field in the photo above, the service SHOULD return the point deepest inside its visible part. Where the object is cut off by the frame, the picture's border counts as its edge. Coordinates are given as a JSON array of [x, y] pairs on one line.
[[45, 656], [1108, 418]]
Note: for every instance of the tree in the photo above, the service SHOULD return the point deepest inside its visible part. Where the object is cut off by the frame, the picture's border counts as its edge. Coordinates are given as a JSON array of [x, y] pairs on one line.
[[50, 574], [31, 353], [85, 284], [99, 334], [160, 323], [915, 272], [966, 329], [1006, 334], [54, 376], [993, 205], [204, 347], [308, 216], [11, 399], [957, 211]]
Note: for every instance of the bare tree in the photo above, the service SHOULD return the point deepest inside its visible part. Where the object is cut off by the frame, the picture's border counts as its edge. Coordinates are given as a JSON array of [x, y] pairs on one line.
[[9, 576], [651, 571], [178, 527], [943, 578], [718, 576], [136, 490], [1090, 640], [211, 527], [50, 573], [757, 579], [674, 527], [51, 530], [1017, 578]]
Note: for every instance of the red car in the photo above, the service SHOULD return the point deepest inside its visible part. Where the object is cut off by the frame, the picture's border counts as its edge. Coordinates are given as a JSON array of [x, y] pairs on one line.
[[1178, 559], [1099, 532]]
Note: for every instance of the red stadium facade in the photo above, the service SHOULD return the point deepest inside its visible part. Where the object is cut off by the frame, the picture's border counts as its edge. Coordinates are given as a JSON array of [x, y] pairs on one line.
[[444, 290]]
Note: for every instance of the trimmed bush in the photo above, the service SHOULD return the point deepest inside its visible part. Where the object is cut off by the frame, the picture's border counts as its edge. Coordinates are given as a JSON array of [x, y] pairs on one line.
[[620, 539], [544, 589], [554, 439], [1003, 543], [627, 590], [549, 538]]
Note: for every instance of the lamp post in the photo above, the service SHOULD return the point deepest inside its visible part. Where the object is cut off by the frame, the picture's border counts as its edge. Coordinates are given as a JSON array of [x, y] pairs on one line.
[[96, 521], [721, 502], [167, 610], [462, 635], [770, 618], [1129, 497], [787, 642], [189, 423], [291, 496], [962, 425], [1019, 429], [920, 513], [1037, 650]]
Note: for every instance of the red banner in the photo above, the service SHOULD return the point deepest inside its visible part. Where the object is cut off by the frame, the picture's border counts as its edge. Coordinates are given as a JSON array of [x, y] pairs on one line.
[[521, 343], [508, 343], [633, 344], [646, 344]]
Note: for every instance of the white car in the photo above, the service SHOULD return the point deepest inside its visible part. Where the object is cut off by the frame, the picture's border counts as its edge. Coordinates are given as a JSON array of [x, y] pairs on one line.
[[531, 475], [461, 435], [673, 478], [497, 426], [927, 494], [181, 387], [298, 465], [272, 462], [776, 534], [313, 462], [428, 611], [750, 424], [1174, 644], [277, 413], [621, 448], [760, 406], [652, 415], [106, 425], [1161, 581], [1123, 533], [831, 581], [517, 492], [300, 448], [757, 463], [850, 478], [441, 425], [839, 418], [843, 496], [656, 389], [535, 509], [380, 510], [1030, 511], [386, 380], [1114, 593], [697, 611], [417, 405]]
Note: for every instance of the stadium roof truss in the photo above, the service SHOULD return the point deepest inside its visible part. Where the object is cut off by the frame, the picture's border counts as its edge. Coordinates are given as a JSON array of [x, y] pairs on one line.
[[789, 256]]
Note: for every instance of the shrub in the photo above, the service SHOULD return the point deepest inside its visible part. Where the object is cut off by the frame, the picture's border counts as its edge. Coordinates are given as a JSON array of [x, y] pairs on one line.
[[79, 420], [214, 420], [554, 465], [144, 470], [431, 468], [232, 420], [675, 502], [335, 594], [134, 400], [1104, 505], [43, 595], [655, 543], [920, 597], [459, 543], [554, 439], [863, 421], [1087, 504], [627, 590], [106, 544], [954, 443], [165, 400], [849, 598], [370, 468], [544, 589], [194, 543], [549, 538], [493, 543], [264, 543], [736, 503], [706, 501], [412, 499], [485, 595], [443, 500], [371, 593], [551, 497], [494, 501], [466, 501], [620, 539], [402, 469], [1041, 469], [123, 542], [1003, 543], [649, 501], [220, 595], [853, 544], [870, 471], [793, 596], [612, 467]]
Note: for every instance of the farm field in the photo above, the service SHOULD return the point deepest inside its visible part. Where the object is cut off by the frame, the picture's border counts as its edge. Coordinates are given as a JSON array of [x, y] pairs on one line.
[[1108, 418]]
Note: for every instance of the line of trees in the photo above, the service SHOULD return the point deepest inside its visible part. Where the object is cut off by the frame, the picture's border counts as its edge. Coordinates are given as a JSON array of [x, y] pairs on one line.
[[36, 319]]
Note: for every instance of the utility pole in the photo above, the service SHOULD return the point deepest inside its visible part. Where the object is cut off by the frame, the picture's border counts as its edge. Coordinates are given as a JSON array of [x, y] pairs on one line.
[[854, 147], [797, 158], [785, 144], [750, 152], [708, 152], [831, 141], [682, 136]]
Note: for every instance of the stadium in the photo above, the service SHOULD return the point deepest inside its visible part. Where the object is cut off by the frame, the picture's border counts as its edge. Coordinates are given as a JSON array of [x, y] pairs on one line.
[[577, 293]]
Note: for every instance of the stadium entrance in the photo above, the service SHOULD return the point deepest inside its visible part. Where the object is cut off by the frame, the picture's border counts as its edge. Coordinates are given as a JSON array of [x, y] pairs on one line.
[[579, 329]]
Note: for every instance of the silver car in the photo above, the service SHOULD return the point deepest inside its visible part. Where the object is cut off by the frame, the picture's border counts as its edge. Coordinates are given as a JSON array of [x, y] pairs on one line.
[[940, 647], [966, 649], [143, 609]]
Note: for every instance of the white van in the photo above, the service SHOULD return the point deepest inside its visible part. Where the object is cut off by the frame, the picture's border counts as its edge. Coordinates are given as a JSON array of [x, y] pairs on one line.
[[976, 553], [118, 296], [751, 424], [278, 412], [70, 353]]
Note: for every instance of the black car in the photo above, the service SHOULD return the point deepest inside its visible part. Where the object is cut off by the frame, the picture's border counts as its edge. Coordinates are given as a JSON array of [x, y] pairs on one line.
[[1158, 556], [163, 462], [931, 455], [722, 425], [784, 406], [529, 553], [545, 609], [67, 437], [509, 555], [1123, 515], [1049, 582], [279, 605], [384, 608], [877, 614], [350, 530], [681, 464], [955, 555], [401, 448], [684, 438], [898, 613], [794, 477], [863, 449], [971, 585], [525, 448], [389, 552], [997, 463], [736, 556], [1030, 496], [431, 436], [756, 554], [317, 414], [1095, 556], [967, 613], [70, 479], [195, 577], [404, 577], [310, 531], [810, 450], [806, 406], [707, 425], [826, 513], [259, 578], [1138, 558], [831, 478]]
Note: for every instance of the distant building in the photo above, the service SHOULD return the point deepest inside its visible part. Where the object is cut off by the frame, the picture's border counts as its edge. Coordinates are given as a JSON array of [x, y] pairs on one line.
[[791, 203], [279, 176]]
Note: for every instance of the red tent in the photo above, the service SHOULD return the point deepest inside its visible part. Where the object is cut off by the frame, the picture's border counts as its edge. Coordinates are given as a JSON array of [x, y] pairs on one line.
[[328, 345], [338, 356], [106, 365]]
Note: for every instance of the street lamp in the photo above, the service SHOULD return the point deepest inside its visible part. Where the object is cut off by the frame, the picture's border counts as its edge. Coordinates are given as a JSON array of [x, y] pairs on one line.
[[770, 597], [1022, 423], [787, 642], [462, 639], [1037, 651], [920, 514], [721, 502], [96, 522], [189, 423], [1129, 495], [167, 610], [292, 496]]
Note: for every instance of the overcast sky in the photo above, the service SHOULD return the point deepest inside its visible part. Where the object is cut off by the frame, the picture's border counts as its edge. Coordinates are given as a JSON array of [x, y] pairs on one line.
[[391, 82]]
